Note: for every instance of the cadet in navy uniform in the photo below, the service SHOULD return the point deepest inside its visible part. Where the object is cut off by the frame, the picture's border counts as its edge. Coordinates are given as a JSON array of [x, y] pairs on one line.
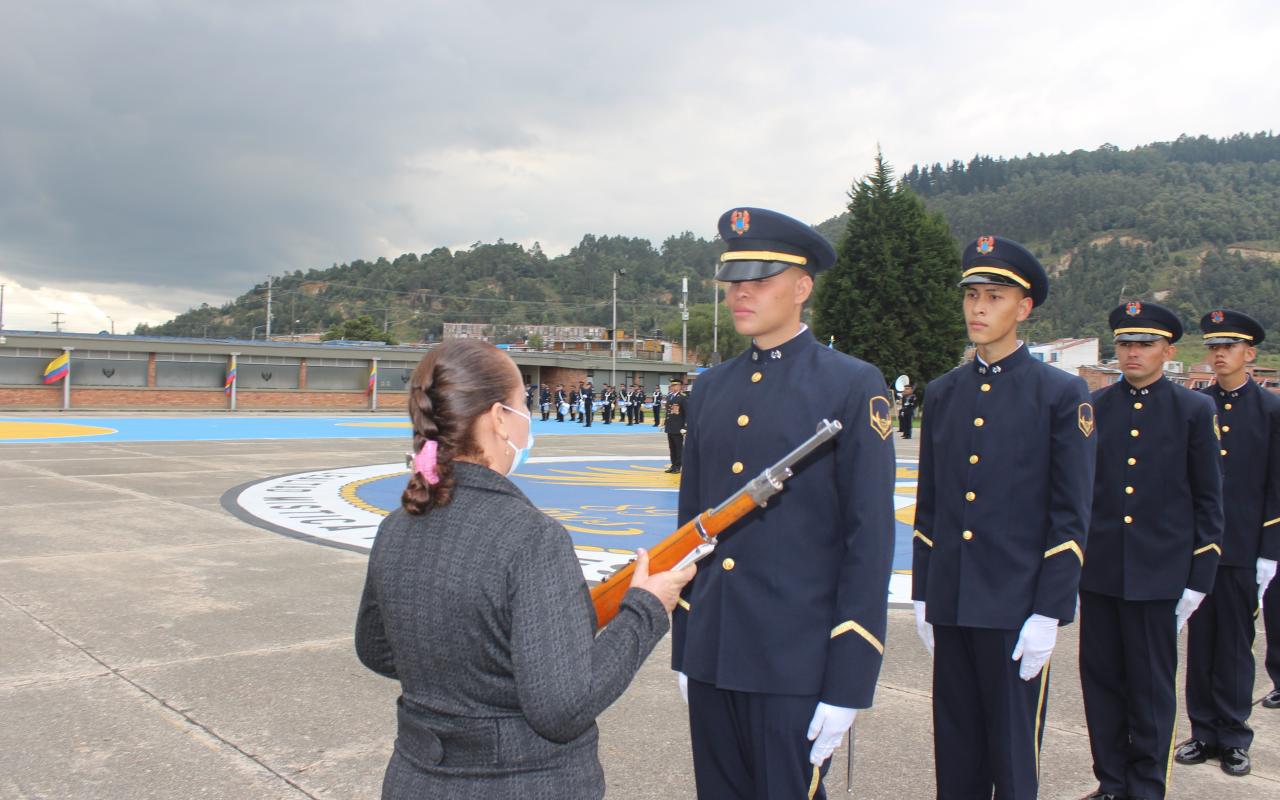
[[1006, 479], [780, 637], [1220, 667], [675, 425], [1154, 543], [657, 406], [907, 410], [587, 396]]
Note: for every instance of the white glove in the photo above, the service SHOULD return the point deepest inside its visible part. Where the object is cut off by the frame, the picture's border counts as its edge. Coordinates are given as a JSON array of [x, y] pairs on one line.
[[1035, 644], [684, 686], [826, 730], [1187, 606], [1266, 571], [923, 627]]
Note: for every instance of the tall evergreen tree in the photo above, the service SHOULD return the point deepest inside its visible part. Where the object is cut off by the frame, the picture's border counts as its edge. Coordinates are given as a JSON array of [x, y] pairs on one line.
[[891, 298]]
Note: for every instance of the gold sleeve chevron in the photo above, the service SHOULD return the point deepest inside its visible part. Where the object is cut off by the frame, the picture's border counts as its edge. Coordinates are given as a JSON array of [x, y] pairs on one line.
[[1065, 547], [850, 625]]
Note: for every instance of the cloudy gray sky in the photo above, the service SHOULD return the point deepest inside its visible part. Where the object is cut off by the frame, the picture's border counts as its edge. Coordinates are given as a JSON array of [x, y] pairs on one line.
[[154, 155]]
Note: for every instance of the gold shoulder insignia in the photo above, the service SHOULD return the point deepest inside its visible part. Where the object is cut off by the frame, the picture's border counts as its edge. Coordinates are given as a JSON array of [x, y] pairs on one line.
[[1216, 430], [881, 421], [1084, 418]]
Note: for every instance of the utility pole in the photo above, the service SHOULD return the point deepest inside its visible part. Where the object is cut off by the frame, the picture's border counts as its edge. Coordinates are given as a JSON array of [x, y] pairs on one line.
[[715, 323], [613, 333], [112, 320], [57, 320], [1, 308], [267, 336], [684, 320]]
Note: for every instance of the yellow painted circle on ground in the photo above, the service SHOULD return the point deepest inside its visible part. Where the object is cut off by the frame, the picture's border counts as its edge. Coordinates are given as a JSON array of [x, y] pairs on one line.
[[49, 430], [375, 424]]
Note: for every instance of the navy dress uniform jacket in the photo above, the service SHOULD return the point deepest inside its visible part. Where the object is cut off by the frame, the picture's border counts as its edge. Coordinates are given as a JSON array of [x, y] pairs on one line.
[[1157, 506], [1249, 419], [1007, 456], [794, 600]]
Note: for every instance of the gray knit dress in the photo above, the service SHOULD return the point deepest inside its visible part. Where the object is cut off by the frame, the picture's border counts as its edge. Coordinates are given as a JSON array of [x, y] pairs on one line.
[[481, 612]]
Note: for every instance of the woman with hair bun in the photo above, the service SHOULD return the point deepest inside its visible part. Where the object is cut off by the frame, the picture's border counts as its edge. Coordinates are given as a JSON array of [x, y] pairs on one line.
[[475, 602]]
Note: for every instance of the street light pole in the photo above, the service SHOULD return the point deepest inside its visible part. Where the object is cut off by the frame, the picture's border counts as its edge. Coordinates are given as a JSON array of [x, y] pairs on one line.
[[113, 324], [715, 323], [684, 320], [613, 335]]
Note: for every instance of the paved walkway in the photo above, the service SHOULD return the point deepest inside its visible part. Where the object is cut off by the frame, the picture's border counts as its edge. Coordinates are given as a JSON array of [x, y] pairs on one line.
[[154, 646]]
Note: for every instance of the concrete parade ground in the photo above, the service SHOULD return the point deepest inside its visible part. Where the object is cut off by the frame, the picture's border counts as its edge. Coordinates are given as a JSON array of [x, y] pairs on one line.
[[161, 636]]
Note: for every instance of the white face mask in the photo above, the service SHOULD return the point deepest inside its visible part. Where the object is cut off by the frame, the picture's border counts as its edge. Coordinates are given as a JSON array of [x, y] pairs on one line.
[[522, 453]]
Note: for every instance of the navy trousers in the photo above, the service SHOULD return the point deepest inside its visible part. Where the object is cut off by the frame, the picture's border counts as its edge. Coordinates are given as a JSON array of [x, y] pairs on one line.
[[1220, 666], [1271, 614], [988, 723], [1128, 668], [749, 746]]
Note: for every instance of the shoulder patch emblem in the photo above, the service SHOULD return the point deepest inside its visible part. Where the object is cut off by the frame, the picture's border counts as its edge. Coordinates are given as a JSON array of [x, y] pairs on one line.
[[1217, 432], [1084, 418], [881, 419]]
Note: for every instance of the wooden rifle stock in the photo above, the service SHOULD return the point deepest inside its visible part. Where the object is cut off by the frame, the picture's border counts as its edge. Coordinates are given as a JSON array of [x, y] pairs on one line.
[[607, 595]]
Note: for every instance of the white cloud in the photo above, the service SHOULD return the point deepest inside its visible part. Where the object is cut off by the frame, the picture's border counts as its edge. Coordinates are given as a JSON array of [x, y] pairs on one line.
[[198, 147], [32, 307]]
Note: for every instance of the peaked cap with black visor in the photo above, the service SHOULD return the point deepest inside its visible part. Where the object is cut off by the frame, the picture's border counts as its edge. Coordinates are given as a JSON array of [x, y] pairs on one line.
[[1003, 262], [1228, 327], [1137, 321], [763, 243]]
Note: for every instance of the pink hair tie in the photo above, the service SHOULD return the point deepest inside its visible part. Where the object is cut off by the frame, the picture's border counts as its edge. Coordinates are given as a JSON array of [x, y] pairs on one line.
[[424, 463]]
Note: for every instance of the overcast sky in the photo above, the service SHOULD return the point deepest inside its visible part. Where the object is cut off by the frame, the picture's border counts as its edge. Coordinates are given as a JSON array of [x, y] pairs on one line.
[[155, 155]]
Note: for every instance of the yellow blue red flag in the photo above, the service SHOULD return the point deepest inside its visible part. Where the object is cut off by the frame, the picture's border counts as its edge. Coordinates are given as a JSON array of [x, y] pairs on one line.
[[58, 368], [373, 378]]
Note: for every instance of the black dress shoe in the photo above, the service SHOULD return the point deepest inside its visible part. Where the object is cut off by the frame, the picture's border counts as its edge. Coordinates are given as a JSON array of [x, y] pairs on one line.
[[1101, 795], [1194, 751], [1272, 700], [1235, 761]]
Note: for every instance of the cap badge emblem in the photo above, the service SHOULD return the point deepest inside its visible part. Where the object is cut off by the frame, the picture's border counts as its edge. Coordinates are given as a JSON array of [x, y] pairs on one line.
[[1133, 309], [986, 244], [740, 221], [1217, 317]]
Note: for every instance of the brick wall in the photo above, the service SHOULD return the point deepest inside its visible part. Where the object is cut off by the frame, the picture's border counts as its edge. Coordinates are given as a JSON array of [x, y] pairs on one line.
[[569, 377], [50, 397]]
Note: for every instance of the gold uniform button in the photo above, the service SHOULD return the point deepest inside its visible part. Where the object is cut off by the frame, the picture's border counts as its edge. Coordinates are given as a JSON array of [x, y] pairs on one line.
[[973, 459], [756, 376], [1226, 428], [970, 496], [1132, 461], [1227, 406], [1134, 433], [986, 387], [979, 422], [743, 420], [1224, 452], [967, 535], [737, 467], [1128, 520], [1137, 406], [728, 564], [1128, 490]]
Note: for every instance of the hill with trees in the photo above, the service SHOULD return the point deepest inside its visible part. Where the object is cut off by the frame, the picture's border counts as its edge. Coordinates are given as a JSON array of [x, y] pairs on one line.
[[1193, 223]]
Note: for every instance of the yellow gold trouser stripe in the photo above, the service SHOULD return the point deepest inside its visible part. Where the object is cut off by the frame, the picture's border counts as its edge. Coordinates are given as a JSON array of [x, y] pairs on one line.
[[813, 783], [1011, 275], [1207, 548], [1044, 685], [850, 625], [923, 538], [683, 603], [1270, 522], [762, 255], [1064, 547]]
